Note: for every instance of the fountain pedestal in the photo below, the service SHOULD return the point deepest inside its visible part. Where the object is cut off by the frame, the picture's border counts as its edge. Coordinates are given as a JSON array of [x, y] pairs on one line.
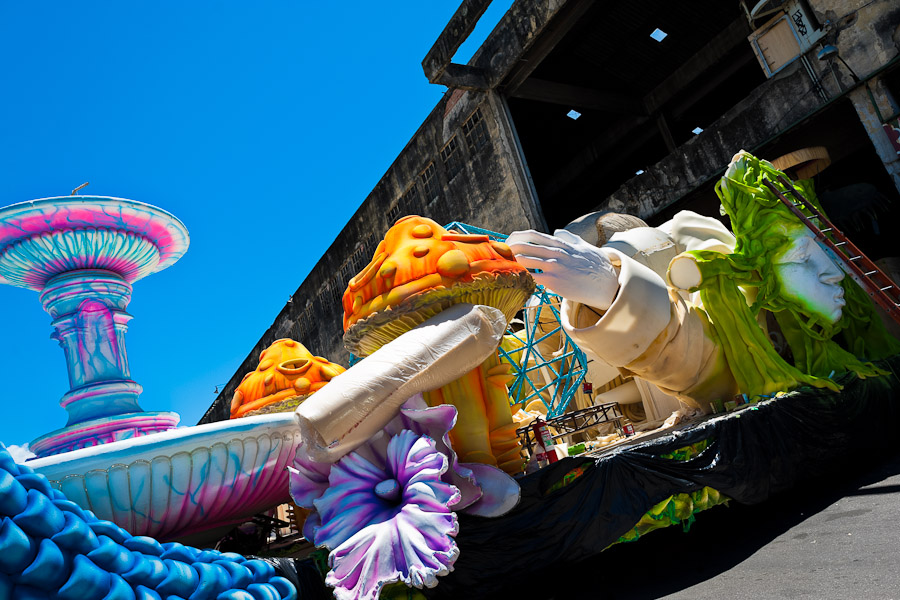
[[89, 319], [82, 253]]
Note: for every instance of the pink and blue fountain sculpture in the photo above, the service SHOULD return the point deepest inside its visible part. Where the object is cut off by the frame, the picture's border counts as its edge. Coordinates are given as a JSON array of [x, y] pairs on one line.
[[82, 254]]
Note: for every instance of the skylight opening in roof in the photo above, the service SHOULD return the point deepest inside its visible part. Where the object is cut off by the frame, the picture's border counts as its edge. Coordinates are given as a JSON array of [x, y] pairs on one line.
[[697, 130], [658, 34], [573, 114]]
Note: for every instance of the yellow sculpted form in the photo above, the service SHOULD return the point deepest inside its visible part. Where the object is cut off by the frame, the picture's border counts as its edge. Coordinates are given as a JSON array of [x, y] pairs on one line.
[[287, 374], [418, 270]]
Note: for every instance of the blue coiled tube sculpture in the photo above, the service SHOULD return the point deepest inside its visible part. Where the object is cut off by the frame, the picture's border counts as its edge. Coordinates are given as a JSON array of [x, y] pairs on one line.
[[52, 548]]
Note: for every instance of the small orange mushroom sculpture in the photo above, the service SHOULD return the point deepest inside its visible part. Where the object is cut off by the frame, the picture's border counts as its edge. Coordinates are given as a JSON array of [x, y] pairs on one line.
[[418, 270], [287, 375]]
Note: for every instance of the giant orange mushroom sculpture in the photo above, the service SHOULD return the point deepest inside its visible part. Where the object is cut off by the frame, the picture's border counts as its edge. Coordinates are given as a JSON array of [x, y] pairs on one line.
[[418, 270], [287, 374]]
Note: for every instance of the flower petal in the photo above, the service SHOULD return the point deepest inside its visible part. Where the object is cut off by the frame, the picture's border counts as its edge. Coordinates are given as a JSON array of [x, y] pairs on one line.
[[377, 541], [436, 422], [501, 493], [308, 479], [415, 547]]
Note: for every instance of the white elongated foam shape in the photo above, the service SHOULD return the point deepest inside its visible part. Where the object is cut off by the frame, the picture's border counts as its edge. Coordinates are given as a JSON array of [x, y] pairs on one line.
[[358, 403], [684, 274]]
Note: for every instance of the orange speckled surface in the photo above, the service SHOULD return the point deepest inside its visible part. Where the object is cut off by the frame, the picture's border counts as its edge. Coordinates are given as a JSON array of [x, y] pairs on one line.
[[287, 370], [416, 255], [418, 270]]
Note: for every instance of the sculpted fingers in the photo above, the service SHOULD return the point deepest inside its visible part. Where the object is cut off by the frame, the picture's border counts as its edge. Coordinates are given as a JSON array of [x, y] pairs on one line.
[[536, 251], [568, 237], [547, 266], [532, 262], [554, 283], [569, 266], [536, 238], [545, 279], [528, 235]]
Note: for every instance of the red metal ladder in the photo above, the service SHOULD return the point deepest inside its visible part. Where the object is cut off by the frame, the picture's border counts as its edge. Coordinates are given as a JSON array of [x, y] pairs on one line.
[[844, 252]]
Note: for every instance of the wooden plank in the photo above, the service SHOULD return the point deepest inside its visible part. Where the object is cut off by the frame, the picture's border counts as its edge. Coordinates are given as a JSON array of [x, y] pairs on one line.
[[777, 44]]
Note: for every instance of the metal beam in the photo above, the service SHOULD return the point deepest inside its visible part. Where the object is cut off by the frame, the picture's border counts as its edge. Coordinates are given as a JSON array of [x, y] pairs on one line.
[[733, 35], [561, 24], [586, 158], [709, 83], [665, 132], [578, 97]]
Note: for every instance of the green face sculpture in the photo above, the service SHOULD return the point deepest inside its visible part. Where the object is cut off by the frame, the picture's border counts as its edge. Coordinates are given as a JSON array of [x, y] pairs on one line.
[[808, 276], [795, 279]]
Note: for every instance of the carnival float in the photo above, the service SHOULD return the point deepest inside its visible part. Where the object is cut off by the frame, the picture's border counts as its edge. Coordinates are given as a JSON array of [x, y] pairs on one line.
[[582, 388]]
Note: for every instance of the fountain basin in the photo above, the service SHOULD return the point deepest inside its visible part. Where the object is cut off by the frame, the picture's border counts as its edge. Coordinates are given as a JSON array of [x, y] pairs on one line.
[[104, 430], [40, 239], [182, 481]]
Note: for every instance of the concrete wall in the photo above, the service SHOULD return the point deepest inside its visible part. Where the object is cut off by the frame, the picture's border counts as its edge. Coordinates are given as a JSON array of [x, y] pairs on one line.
[[866, 35], [490, 190]]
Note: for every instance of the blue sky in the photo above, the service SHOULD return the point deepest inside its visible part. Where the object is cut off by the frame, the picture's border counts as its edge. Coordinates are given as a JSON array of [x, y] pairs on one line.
[[261, 125]]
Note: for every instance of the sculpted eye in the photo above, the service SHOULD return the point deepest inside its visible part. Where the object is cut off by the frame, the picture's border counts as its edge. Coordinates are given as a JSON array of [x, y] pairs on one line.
[[800, 252]]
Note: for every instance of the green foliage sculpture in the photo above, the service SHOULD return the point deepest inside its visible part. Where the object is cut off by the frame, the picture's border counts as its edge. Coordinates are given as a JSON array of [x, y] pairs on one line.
[[766, 231]]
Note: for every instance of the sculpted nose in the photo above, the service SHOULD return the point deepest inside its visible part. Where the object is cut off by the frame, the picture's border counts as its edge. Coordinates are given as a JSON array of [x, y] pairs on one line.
[[829, 272], [832, 274]]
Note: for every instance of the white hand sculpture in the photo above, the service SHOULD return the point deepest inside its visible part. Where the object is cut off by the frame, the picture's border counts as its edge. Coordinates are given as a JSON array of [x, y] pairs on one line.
[[570, 267]]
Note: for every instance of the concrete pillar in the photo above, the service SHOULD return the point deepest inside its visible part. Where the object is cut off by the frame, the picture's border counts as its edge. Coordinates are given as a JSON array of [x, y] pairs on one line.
[[865, 105]]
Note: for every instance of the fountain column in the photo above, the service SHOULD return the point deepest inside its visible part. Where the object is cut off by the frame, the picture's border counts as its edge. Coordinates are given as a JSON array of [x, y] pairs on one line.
[[89, 319], [83, 253]]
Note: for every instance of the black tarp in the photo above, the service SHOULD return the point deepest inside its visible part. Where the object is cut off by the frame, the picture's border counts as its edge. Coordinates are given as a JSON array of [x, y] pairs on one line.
[[304, 575], [751, 455]]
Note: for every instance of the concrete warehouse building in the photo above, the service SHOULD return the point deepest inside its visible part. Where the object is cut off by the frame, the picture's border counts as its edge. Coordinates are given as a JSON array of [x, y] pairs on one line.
[[572, 106]]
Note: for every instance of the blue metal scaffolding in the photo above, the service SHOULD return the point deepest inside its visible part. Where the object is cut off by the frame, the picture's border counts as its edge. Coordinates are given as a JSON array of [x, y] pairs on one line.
[[560, 374], [567, 366]]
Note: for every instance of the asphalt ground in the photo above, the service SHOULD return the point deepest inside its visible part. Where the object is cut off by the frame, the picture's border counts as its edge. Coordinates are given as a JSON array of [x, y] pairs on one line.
[[831, 538]]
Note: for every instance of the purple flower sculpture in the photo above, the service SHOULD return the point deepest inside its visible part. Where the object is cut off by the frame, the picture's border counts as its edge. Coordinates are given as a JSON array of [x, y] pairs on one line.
[[308, 481], [389, 519], [384, 510]]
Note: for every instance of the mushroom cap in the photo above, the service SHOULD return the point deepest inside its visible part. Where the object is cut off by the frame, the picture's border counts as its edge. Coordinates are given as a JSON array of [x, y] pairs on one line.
[[420, 269], [287, 374]]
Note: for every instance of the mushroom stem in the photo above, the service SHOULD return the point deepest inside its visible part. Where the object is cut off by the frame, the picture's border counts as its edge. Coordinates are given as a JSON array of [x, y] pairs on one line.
[[484, 430]]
